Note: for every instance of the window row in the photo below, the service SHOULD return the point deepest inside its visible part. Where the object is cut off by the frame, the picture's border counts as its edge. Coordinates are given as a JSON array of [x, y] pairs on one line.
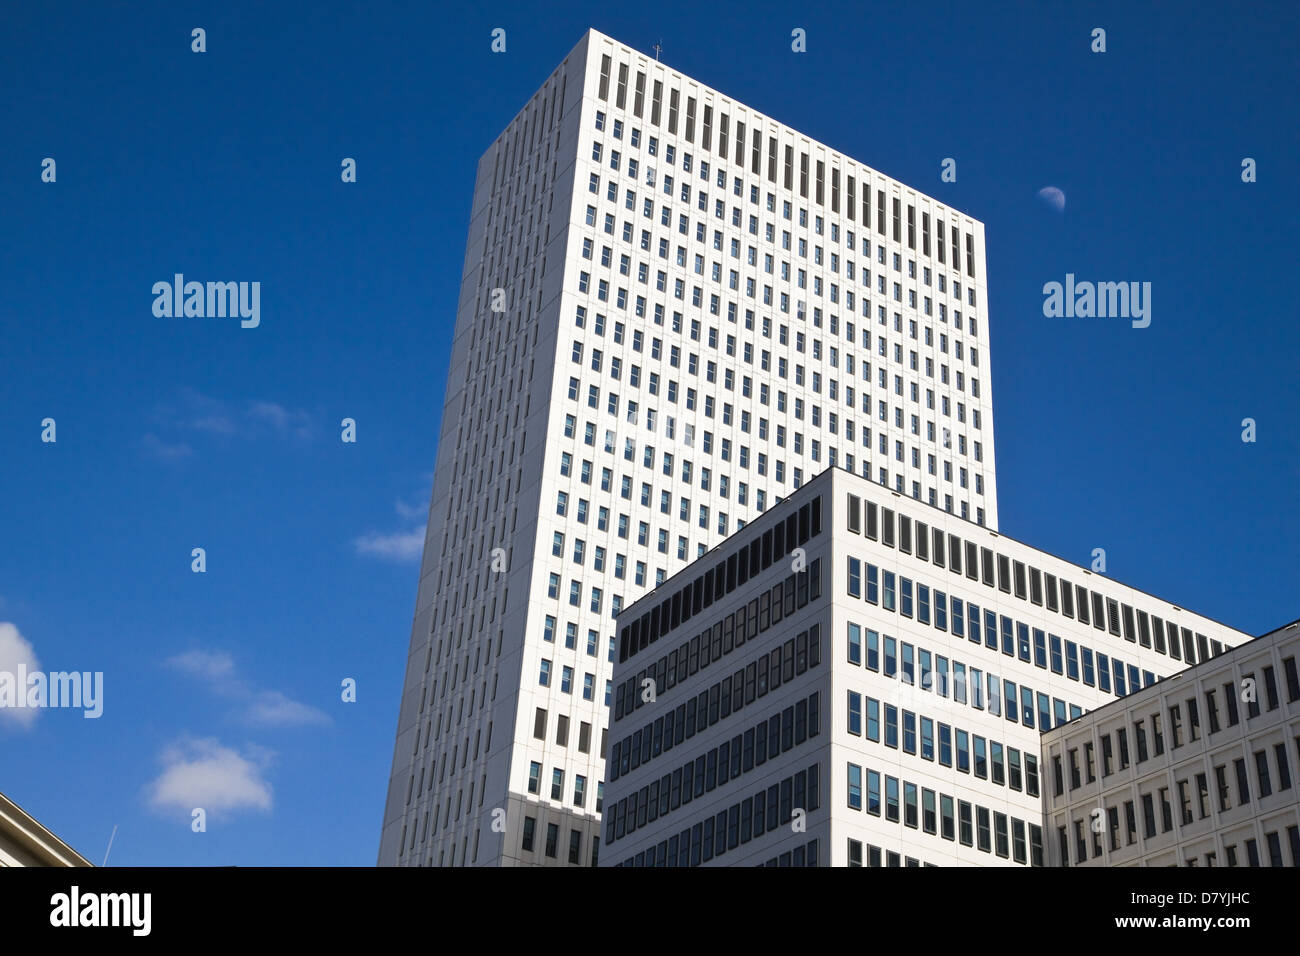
[[916, 332], [571, 632], [875, 856], [752, 154], [562, 731], [767, 740], [952, 747], [1272, 839], [964, 684], [1179, 722], [912, 599], [900, 454], [940, 814], [734, 692], [551, 849], [1028, 583], [725, 636], [883, 345], [1194, 797], [557, 786], [546, 668], [642, 307], [826, 275], [682, 604], [769, 808]]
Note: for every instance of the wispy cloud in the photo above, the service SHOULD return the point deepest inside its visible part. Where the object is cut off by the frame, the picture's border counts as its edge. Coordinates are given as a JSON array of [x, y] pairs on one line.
[[202, 773], [254, 705], [405, 545], [272, 708], [411, 511], [199, 412], [193, 414], [398, 546], [155, 447], [281, 420], [208, 665], [15, 652]]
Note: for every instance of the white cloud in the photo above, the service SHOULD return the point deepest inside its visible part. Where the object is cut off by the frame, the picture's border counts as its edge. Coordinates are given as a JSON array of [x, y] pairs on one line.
[[411, 511], [255, 705], [203, 413], [283, 420], [193, 412], [198, 663], [217, 424], [398, 546], [16, 651], [272, 708], [164, 450], [203, 773]]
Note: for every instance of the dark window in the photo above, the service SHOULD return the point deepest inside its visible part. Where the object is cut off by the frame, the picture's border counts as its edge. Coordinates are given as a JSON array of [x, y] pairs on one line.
[[1283, 770], [1292, 684], [1243, 782], [1261, 768], [1270, 687]]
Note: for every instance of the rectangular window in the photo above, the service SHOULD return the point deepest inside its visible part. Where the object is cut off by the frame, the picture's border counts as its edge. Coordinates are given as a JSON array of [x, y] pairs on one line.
[[985, 841], [909, 805], [855, 787], [1261, 767]]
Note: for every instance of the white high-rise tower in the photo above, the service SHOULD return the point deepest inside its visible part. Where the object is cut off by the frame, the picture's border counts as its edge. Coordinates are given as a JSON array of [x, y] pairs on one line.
[[674, 312]]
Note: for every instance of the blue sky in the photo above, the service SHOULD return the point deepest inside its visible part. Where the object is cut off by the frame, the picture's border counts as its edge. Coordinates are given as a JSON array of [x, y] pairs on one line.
[[176, 434]]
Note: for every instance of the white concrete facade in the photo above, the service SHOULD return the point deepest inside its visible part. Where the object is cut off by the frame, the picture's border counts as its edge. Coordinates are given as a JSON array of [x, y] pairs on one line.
[[25, 842], [886, 570], [675, 346], [1199, 769]]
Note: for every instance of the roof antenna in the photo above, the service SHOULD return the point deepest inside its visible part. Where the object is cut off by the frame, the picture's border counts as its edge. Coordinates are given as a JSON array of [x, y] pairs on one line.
[[110, 846], [658, 48]]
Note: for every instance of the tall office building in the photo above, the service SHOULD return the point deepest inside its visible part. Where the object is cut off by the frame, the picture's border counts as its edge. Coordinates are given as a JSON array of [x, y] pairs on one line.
[[674, 311], [1197, 770], [861, 679]]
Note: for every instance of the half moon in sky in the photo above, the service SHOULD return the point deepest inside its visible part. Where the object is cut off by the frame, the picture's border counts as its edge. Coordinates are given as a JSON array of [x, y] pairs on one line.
[[1053, 197]]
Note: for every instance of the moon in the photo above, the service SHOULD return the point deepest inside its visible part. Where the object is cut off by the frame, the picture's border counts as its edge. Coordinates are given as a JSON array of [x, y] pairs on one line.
[[1052, 197]]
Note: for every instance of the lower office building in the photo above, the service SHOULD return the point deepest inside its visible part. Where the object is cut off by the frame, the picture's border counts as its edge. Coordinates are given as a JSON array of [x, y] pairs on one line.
[[858, 679], [24, 842], [1197, 770]]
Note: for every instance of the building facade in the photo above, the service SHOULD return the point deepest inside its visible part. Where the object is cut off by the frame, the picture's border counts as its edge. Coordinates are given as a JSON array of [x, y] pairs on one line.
[[1197, 770], [858, 678], [25, 842], [674, 311]]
